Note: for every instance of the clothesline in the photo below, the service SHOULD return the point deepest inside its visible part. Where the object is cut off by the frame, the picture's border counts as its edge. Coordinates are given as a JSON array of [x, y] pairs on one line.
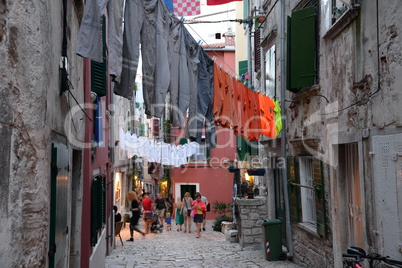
[[173, 62], [157, 152]]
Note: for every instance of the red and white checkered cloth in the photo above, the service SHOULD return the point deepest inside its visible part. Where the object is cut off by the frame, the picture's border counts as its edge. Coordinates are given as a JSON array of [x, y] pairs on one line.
[[186, 7]]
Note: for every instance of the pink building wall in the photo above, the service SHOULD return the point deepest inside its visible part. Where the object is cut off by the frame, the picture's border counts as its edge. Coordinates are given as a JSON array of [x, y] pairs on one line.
[[212, 178]]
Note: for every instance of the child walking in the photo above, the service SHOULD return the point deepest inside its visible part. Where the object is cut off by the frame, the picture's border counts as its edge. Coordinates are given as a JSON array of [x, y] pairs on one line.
[[168, 221]]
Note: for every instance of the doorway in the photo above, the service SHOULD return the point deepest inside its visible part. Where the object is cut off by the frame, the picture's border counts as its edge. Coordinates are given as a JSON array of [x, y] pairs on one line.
[[192, 189], [58, 239], [352, 194]]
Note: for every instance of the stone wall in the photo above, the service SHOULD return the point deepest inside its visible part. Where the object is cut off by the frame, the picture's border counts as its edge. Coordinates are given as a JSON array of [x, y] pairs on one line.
[[250, 213], [33, 116], [311, 250]]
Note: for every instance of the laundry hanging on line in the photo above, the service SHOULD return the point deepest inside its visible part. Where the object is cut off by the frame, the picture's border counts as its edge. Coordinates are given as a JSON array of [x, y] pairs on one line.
[[172, 62], [157, 152], [249, 113]]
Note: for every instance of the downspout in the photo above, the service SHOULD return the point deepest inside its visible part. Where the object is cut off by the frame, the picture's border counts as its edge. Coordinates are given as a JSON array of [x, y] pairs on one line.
[[250, 67], [283, 133]]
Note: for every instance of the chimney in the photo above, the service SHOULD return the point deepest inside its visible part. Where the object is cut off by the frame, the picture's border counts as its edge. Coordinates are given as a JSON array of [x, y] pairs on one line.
[[229, 38]]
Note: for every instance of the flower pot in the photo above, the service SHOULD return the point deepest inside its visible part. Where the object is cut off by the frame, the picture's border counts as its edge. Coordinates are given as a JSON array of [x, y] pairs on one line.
[[256, 172], [232, 169]]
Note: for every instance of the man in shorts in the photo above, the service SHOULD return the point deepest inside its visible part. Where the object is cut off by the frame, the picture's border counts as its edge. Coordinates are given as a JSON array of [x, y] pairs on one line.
[[160, 205], [147, 212]]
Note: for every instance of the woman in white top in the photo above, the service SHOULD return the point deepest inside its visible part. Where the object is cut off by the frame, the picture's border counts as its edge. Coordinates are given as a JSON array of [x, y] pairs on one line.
[[187, 200]]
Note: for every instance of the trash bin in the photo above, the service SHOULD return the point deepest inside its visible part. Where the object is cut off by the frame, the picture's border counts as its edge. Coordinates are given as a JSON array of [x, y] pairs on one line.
[[272, 239]]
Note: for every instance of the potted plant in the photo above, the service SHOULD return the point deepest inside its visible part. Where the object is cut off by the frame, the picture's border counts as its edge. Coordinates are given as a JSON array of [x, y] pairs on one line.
[[250, 194], [256, 171], [232, 167], [256, 168]]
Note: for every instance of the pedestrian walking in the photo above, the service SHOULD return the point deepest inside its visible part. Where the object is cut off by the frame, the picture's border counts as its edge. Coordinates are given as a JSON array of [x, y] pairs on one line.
[[135, 214], [178, 208], [200, 209], [187, 200], [205, 200], [168, 221], [117, 215], [147, 213], [150, 194], [161, 205]]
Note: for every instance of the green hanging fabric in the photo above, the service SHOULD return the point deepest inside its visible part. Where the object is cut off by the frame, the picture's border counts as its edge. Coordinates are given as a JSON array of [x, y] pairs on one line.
[[278, 118]]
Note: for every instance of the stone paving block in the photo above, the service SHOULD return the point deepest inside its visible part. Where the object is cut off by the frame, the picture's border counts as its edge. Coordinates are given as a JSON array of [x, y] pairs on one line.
[[179, 249]]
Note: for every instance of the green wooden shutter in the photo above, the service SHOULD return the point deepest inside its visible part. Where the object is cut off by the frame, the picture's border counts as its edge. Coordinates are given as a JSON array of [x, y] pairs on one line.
[[98, 206], [318, 178], [294, 191], [303, 48], [243, 68], [245, 12], [253, 147], [288, 55], [99, 70], [243, 148]]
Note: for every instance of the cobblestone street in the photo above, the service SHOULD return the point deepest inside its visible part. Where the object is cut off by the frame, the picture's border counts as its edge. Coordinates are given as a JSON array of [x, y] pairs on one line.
[[179, 249]]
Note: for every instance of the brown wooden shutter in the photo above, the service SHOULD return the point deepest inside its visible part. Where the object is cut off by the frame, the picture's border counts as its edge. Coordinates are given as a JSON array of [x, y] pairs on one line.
[[257, 51], [294, 191], [318, 178]]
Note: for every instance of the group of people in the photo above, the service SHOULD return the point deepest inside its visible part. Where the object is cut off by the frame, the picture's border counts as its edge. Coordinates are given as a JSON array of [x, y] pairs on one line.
[[181, 212], [183, 209]]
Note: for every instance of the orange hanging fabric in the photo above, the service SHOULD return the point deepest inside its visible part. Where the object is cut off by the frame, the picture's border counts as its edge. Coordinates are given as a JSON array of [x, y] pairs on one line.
[[267, 116], [218, 93]]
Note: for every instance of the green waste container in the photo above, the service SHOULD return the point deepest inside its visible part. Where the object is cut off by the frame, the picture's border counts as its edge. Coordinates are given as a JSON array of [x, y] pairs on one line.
[[272, 239]]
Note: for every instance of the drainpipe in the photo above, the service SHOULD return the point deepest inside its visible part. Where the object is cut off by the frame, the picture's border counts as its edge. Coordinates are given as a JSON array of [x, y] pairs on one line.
[[250, 67], [283, 133]]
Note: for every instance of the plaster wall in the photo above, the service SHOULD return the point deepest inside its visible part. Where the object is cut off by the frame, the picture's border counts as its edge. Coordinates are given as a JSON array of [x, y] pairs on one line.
[[32, 110]]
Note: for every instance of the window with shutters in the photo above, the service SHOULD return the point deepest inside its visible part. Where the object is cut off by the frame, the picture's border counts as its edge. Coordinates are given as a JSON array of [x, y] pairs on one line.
[[98, 219], [306, 193], [302, 49], [270, 73], [99, 69]]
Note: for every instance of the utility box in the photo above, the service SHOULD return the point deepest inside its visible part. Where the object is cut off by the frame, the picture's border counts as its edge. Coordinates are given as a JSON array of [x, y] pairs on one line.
[[272, 232]]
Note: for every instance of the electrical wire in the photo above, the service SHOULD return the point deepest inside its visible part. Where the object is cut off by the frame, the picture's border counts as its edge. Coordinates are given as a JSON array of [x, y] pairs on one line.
[[241, 21], [213, 50], [72, 95]]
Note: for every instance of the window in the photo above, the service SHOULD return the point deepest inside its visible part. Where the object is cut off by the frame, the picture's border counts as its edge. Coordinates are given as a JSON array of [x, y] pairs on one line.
[[270, 72], [301, 49], [339, 7], [202, 153], [337, 15], [307, 193]]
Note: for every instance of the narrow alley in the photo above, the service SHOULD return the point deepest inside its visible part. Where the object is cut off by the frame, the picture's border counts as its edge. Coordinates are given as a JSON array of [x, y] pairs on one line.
[[179, 249]]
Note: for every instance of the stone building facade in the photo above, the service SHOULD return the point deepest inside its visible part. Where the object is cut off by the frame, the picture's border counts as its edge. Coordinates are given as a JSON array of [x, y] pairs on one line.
[[34, 113], [340, 159], [48, 159]]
